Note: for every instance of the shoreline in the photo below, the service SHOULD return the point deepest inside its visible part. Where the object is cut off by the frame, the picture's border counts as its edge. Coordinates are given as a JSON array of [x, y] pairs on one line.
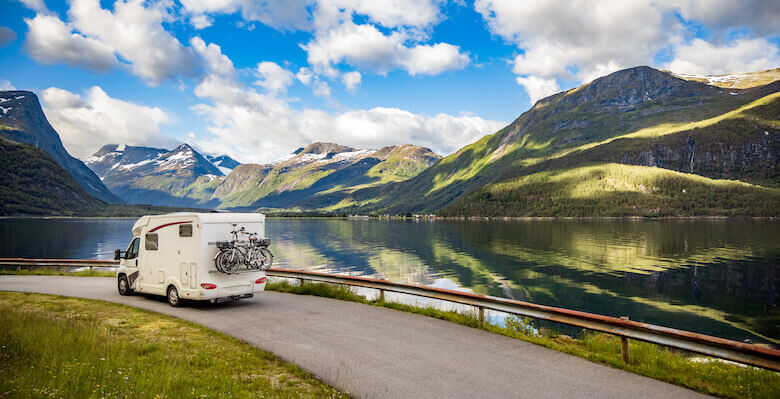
[[433, 218]]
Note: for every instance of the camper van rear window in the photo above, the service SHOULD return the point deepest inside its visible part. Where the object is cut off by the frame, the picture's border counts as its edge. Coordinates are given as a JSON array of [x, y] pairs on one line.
[[185, 230], [151, 242]]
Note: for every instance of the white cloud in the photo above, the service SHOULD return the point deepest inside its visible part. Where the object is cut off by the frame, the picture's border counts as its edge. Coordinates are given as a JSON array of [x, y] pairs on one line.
[[741, 55], [365, 47], [321, 89], [304, 75], [388, 13], [36, 5], [135, 32], [272, 77], [51, 41], [351, 80], [758, 16], [235, 112], [87, 122], [579, 40], [435, 59], [279, 14], [538, 88], [97, 39], [211, 54], [6, 85]]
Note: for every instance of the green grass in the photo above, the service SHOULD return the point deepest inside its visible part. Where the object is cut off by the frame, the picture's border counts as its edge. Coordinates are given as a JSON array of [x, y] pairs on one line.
[[617, 190], [676, 367], [76, 348]]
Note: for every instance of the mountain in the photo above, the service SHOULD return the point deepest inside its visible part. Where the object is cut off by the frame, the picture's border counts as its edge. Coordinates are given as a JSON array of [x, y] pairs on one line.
[[223, 162], [320, 176], [22, 120], [636, 142], [34, 184], [113, 156], [142, 175]]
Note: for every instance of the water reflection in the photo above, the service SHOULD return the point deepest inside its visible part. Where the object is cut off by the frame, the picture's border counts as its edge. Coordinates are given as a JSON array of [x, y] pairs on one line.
[[715, 277]]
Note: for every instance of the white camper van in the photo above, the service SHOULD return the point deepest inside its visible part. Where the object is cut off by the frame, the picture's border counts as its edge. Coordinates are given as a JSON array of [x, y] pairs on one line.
[[196, 256]]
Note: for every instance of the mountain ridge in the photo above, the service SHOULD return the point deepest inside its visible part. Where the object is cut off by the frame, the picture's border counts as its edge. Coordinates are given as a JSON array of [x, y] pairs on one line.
[[573, 128], [22, 120]]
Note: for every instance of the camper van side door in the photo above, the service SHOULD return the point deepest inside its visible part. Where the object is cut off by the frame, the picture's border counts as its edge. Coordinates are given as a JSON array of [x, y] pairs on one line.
[[130, 261], [132, 253]]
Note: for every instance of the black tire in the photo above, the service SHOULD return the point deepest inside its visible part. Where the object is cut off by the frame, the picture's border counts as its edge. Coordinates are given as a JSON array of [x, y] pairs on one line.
[[223, 263], [123, 286], [173, 297]]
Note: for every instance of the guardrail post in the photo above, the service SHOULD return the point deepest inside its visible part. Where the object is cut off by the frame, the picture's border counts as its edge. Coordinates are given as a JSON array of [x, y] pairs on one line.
[[625, 350], [381, 295], [481, 317]]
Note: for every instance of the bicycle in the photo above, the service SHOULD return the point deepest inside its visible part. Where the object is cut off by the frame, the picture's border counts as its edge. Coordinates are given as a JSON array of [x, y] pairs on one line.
[[252, 253]]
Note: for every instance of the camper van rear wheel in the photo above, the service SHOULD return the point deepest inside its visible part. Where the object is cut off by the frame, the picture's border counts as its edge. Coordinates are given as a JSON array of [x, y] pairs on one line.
[[173, 297], [124, 286]]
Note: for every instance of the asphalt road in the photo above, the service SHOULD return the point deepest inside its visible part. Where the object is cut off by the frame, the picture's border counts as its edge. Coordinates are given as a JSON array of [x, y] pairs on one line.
[[373, 352]]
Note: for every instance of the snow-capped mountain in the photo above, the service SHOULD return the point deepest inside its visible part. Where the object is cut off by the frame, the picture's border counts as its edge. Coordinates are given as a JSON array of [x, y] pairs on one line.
[[143, 175], [112, 156], [223, 162]]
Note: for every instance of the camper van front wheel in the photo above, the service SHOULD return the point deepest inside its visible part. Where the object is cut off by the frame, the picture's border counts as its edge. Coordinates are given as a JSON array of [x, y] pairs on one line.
[[124, 286], [173, 297]]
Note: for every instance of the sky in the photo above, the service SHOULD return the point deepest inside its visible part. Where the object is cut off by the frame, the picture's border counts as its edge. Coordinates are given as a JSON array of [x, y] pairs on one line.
[[257, 79]]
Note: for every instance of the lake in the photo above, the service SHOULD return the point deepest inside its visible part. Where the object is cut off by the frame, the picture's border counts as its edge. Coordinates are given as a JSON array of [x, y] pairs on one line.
[[717, 277]]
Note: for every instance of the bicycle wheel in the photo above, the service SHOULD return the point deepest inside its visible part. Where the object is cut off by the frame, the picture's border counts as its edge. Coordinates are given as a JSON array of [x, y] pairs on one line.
[[226, 262], [267, 258]]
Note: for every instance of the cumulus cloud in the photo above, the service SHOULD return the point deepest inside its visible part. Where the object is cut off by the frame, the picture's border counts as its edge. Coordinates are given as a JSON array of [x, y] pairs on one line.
[[52, 41], [211, 54], [365, 47], [279, 14], [757, 16], [304, 75], [741, 55], [97, 38], [89, 121], [273, 77], [580, 40], [260, 127], [538, 88], [351, 80], [6, 36], [36, 5]]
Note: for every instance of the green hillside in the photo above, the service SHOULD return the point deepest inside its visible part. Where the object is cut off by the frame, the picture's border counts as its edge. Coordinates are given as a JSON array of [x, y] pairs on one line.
[[34, 184], [641, 116]]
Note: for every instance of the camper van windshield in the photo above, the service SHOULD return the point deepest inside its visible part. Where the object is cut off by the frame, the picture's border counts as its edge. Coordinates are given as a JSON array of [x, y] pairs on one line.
[[132, 251]]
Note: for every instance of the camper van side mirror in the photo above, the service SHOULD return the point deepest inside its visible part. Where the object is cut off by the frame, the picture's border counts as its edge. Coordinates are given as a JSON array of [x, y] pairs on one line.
[[117, 254]]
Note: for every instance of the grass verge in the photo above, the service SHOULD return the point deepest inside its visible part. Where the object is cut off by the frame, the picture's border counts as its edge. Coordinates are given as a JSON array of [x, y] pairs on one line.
[[79, 348], [709, 377]]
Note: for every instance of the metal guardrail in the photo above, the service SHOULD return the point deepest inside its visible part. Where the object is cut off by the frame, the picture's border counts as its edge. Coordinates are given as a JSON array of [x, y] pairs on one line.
[[750, 354]]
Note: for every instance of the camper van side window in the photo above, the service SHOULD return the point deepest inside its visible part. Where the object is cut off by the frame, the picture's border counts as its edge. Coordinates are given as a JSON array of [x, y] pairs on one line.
[[185, 230], [151, 242]]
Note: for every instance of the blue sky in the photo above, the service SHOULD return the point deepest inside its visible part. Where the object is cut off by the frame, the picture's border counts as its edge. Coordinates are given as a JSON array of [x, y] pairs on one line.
[[257, 79]]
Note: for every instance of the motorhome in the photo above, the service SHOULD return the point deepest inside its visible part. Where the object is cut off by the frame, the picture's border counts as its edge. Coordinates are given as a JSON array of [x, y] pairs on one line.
[[196, 256]]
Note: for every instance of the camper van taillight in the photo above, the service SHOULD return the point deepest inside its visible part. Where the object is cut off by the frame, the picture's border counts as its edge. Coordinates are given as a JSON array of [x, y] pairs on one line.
[[261, 280], [208, 286]]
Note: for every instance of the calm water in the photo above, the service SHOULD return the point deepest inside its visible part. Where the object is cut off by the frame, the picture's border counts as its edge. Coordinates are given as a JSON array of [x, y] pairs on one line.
[[715, 277]]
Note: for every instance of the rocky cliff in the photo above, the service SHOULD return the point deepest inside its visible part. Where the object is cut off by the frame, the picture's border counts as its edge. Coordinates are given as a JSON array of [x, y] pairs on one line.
[[22, 120]]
